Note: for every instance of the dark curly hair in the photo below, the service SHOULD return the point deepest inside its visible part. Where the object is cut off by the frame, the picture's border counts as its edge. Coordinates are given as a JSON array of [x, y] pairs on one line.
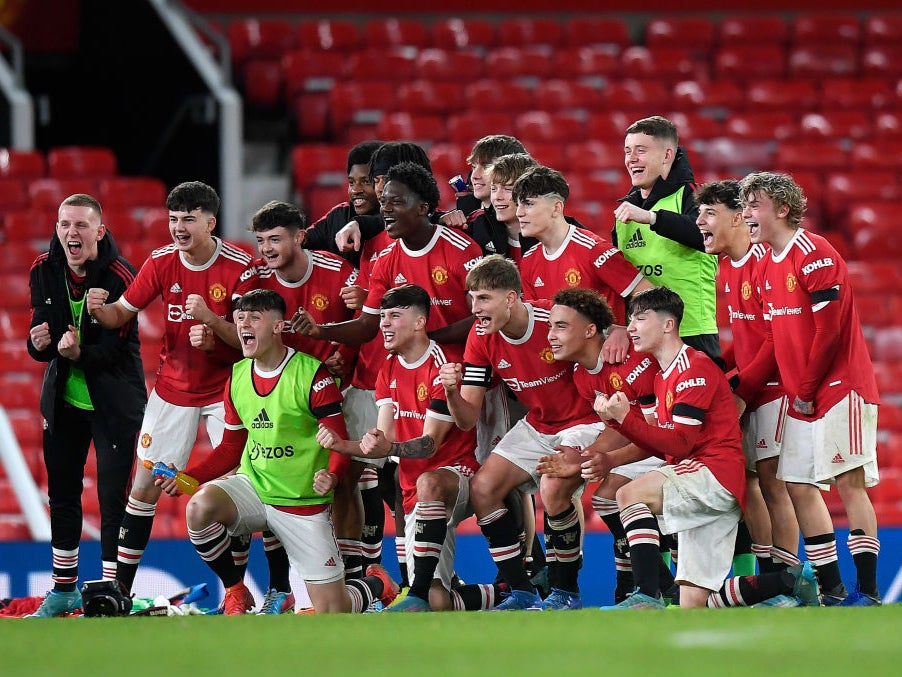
[[417, 179]]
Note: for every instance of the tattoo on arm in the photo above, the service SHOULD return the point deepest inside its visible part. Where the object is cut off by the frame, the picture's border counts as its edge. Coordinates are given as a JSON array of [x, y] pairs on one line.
[[419, 447]]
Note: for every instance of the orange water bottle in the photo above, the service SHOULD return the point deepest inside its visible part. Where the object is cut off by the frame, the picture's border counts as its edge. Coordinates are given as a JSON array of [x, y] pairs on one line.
[[185, 483]]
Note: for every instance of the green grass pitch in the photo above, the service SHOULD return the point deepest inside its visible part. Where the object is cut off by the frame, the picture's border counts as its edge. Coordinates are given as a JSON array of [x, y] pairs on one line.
[[801, 641]]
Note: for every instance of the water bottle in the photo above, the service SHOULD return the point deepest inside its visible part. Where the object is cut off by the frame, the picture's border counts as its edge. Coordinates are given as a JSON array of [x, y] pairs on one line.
[[185, 483]]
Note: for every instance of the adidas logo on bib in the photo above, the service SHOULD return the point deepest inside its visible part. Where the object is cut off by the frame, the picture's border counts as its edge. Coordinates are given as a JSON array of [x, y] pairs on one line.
[[262, 420]]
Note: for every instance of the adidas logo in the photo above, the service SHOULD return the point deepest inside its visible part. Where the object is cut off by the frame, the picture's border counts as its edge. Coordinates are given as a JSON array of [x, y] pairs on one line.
[[490, 246], [175, 289], [761, 444], [262, 420], [400, 279], [330, 562], [47, 301], [539, 282], [635, 241], [504, 364], [393, 384], [838, 459], [726, 288]]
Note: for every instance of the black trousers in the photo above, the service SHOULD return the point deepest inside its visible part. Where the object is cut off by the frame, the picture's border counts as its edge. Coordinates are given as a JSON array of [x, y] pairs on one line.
[[65, 454]]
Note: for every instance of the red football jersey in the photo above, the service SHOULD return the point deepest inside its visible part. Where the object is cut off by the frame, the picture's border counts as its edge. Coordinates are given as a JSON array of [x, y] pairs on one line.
[[797, 284], [371, 354], [583, 260], [544, 385], [316, 292], [739, 281], [415, 392], [189, 377], [693, 391], [440, 268], [635, 378]]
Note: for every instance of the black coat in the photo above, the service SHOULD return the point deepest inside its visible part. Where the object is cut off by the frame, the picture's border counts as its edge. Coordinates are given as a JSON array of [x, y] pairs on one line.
[[110, 358]]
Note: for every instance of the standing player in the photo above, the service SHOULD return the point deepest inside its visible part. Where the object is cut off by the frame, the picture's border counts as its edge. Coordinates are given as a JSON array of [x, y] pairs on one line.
[[701, 491], [285, 478], [509, 342], [93, 389], [196, 271], [436, 459], [774, 528], [816, 343]]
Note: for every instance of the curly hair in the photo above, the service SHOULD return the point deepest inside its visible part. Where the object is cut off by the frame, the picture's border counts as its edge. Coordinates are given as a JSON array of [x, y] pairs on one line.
[[781, 189], [726, 193], [418, 179], [588, 303]]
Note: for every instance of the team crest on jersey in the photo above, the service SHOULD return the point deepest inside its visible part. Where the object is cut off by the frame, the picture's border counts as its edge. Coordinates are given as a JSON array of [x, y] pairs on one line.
[[573, 277], [616, 381], [217, 292], [439, 275], [146, 439], [668, 399], [746, 290], [320, 301], [791, 282], [546, 355], [422, 392]]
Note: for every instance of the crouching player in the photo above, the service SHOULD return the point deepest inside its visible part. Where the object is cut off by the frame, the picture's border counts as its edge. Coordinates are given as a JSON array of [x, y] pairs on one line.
[[436, 458], [274, 401]]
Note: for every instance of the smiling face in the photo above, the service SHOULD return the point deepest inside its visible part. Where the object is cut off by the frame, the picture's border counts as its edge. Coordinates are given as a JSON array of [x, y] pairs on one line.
[[479, 179], [361, 191], [647, 158], [537, 215], [258, 331], [503, 202], [766, 221], [402, 210], [568, 332], [647, 329], [277, 246], [191, 231], [399, 327], [79, 230], [492, 308], [718, 224]]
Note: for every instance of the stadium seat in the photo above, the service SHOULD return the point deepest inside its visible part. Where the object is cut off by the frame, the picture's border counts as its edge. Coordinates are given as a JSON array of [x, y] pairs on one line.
[[14, 354], [251, 38], [469, 125], [753, 29], [32, 224], [722, 95], [431, 98], [262, 82], [888, 373], [696, 125], [20, 252], [533, 61], [305, 70], [762, 125], [449, 159], [555, 95], [549, 154], [318, 165], [448, 65], [738, 156], [359, 102], [463, 33], [888, 125], [390, 32], [311, 114], [20, 389], [664, 62], [16, 292], [124, 224], [546, 127], [882, 28], [526, 31], [497, 95], [887, 343], [877, 242], [882, 61], [81, 162], [883, 154], [822, 60], [22, 164], [14, 322], [592, 156], [745, 62], [693, 32], [844, 189], [422, 129], [589, 63], [319, 200], [48, 193], [156, 224], [328, 35], [14, 528], [645, 96], [825, 29], [841, 124], [390, 62], [9, 504], [13, 195], [860, 93], [610, 127], [132, 191], [596, 30], [782, 94]]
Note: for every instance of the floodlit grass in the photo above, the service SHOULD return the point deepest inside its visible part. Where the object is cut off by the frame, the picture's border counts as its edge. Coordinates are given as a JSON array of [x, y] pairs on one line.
[[674, 642]]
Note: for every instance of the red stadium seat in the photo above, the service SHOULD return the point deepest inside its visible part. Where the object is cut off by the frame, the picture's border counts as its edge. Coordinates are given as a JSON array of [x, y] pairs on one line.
[[589, 62], [547, 127], [691, 32], [755, 29], [391, 32], [463, 33], [825, 29], [887, 343], [708, 94], [449, 159], [590, 156], [32, 224], [848, 124], [132, 191], [883, 154], [875, 277], [319, 165], [14, 528], [882, 61], [14, 323], [876, 242], [318, 201], [383, 63], [888, 124], [13, 195], [738, 156], [20, 389], [311, 111], [763, 125], [747, 61], [823, 60], [47, 193], [522, 31], [644, 96], [867, 93], [431, 98], [555, 95], [329, 35], [448, 66], [309, 70], [594, 30], [782, 94], [358, 102], [123, 224], [468, 126], [16, 292], [519, 62], [422, 129], [667, 62], [845, 189], [14, 354], [497, 96], [610, 127], [81, 162], [22, 164], [882, 28], [549, 154], [696, 125], [261, 82], [259, 39]]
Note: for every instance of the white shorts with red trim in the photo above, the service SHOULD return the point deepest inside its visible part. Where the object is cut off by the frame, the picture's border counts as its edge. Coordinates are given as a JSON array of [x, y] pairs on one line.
[[169, 431], [762, 432]]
